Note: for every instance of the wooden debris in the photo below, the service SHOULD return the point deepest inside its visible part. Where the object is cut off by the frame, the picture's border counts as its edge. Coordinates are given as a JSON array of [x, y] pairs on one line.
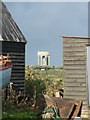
[[66, 108]]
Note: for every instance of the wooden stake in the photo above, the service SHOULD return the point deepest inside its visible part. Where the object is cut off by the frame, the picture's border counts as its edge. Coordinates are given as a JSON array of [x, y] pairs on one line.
[[2, 60], [8, 57]]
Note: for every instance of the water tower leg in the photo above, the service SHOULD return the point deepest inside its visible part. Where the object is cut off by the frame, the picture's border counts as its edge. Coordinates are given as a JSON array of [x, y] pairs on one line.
[[41, 60], [38, 59], [49, 60]]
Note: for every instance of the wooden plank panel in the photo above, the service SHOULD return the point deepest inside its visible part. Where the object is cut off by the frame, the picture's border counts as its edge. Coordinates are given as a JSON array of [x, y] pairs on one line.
[[74, 41], [74, 63], [18, 82], [18, 57], [73, 45], [18, 68], [19, 85], [75, 97], [75, 67], [76, 88], [74, 80], [85, 107], [18, 60], [9, 28], [80, 69], [75, 93], [22, 88], [19, 75], [85, 112], [18, 78], [76, 76], [75, 71], [18, 51], [75, 48], [74, 84], [84, 117], [14, 49], [17, 54], [15, 72], [75, 57], [67, 50], [85, 102], [14, 45], [16, 64]]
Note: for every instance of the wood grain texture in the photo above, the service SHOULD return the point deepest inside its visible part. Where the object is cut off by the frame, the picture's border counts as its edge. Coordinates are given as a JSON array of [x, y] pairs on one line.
[[10, 30], [75, 69], [17, 55]]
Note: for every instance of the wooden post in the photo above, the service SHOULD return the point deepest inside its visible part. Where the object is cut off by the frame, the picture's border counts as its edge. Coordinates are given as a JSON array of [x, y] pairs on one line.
[[49, 60], [6, 92], [34, 95], [41, 61], [8, 57], [11, 86], [2, 60]]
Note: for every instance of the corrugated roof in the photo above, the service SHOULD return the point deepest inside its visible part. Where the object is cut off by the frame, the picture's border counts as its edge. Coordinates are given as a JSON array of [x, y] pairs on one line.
[[10, 30], [75, 37]]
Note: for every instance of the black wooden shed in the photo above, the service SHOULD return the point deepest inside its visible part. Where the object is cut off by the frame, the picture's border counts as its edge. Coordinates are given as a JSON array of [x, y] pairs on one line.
[[13, 42]]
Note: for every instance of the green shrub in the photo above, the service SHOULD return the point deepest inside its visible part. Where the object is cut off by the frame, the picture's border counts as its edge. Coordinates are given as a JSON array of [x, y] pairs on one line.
[[34, 88], [29, 88]]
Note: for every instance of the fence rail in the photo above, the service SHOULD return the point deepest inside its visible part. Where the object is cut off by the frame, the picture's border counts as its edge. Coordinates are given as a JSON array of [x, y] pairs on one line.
[[4, 59]]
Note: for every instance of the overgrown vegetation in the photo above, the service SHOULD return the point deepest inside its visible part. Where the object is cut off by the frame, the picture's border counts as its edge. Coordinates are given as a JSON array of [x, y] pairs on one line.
[[39, 80], [13, 108], [50, 77]]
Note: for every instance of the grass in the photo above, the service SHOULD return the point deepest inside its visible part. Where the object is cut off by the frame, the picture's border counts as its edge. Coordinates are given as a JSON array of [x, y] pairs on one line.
[[19, 113]]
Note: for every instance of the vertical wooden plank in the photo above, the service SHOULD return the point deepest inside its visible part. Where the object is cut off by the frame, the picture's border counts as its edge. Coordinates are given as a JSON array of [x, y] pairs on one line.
[[88, 72]]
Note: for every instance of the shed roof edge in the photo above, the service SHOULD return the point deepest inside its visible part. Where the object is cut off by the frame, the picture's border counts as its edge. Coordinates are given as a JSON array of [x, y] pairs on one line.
[[75, 37]]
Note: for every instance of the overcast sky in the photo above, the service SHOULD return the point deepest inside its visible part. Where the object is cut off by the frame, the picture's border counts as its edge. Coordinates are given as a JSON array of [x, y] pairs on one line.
[[43, 23]]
